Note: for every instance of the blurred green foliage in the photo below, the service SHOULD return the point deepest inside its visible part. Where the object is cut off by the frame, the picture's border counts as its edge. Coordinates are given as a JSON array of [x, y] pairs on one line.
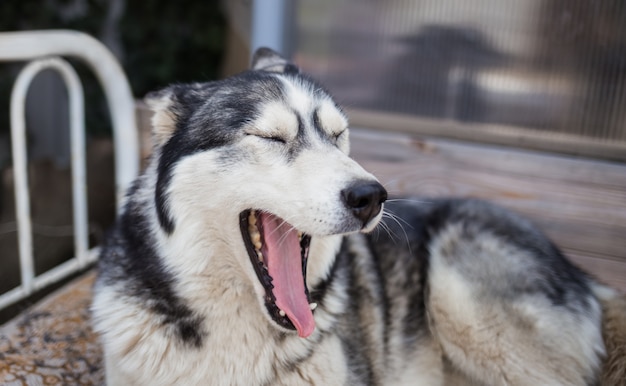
[[162, 42], [172, 41]]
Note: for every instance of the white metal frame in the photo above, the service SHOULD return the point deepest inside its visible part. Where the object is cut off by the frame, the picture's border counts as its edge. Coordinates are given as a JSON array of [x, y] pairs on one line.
[[43, 49]]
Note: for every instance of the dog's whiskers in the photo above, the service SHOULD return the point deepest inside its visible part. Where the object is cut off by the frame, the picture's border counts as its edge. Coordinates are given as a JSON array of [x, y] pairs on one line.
[[411, 200], [385, 227], [400, 222]]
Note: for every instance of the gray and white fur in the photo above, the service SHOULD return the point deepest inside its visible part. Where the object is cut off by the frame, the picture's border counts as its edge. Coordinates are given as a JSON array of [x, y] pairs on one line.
[[254, 251]]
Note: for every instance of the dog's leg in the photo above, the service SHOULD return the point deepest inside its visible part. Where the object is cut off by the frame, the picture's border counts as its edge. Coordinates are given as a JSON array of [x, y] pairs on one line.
[[500, 317]]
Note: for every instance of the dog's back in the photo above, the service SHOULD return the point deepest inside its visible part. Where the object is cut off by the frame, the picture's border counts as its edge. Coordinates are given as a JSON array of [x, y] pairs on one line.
[[501, 301]]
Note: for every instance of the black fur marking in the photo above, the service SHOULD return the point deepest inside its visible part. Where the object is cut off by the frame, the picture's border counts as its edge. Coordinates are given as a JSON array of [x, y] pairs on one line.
[[317, 124], [382, 293], [359, 365], [301, 129], [209, 116], [321, 132], [129, 257], [401, 253], [415, 318], [300, 141], [357, 343]]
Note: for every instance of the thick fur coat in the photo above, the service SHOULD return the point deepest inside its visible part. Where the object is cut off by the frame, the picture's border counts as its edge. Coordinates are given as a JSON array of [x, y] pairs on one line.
[[254, 251]]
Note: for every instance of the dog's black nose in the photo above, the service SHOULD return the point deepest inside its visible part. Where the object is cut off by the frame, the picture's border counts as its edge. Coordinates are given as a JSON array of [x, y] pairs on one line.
[[364, 199]]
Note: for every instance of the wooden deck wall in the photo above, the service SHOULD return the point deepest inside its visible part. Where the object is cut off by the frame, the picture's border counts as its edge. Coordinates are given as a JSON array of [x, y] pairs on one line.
[[580, 203]]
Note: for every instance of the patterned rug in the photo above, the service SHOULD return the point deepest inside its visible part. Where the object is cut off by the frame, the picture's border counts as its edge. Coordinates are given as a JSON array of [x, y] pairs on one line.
[[52, 343]]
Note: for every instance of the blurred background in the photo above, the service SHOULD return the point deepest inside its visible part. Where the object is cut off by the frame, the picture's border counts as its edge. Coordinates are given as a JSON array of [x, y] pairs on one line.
[[537, 70], [540, 75]]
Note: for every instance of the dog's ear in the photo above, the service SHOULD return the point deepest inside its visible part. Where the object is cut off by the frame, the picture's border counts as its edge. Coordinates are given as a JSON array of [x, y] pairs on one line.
[[162, 103], [266, 59]]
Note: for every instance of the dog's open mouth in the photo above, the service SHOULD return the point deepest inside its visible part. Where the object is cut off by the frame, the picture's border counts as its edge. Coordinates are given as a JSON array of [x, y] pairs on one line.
[[278, 253]]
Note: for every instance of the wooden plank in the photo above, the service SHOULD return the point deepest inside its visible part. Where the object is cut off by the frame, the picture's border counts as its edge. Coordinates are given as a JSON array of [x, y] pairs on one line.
[[498, 134], [579, 203]]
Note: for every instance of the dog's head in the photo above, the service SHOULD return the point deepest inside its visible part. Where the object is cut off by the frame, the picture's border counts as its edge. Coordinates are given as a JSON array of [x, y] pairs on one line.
[[260, 160]]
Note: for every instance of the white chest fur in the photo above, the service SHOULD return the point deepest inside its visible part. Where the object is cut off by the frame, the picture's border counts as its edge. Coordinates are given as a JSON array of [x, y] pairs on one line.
[[241, 349]]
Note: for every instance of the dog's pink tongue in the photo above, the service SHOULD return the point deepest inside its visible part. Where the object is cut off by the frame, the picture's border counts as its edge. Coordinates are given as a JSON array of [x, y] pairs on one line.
[[284, 263]]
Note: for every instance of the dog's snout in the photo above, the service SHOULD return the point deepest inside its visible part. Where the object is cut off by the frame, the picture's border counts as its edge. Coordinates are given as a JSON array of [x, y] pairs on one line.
[[364, 199]]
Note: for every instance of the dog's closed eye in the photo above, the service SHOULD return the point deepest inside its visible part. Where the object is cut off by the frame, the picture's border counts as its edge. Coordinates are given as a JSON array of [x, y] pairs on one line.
[[269, 137]]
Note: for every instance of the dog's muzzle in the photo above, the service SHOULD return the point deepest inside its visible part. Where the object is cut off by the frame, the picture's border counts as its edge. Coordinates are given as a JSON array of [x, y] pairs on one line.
[[364, 199]]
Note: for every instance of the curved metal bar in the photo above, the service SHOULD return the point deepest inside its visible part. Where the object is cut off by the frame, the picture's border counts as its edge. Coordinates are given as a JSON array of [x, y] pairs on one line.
[[18, 136], [31, 45], [35, 46]]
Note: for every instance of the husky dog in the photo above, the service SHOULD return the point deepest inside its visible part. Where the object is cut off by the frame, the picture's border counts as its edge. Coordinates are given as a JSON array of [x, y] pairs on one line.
[[254, 251]]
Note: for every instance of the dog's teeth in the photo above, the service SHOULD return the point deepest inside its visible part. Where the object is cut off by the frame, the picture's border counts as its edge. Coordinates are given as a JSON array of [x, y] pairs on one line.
[[255, 236], [260, 255], [281, 312], [299, 234], [313, 306]]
